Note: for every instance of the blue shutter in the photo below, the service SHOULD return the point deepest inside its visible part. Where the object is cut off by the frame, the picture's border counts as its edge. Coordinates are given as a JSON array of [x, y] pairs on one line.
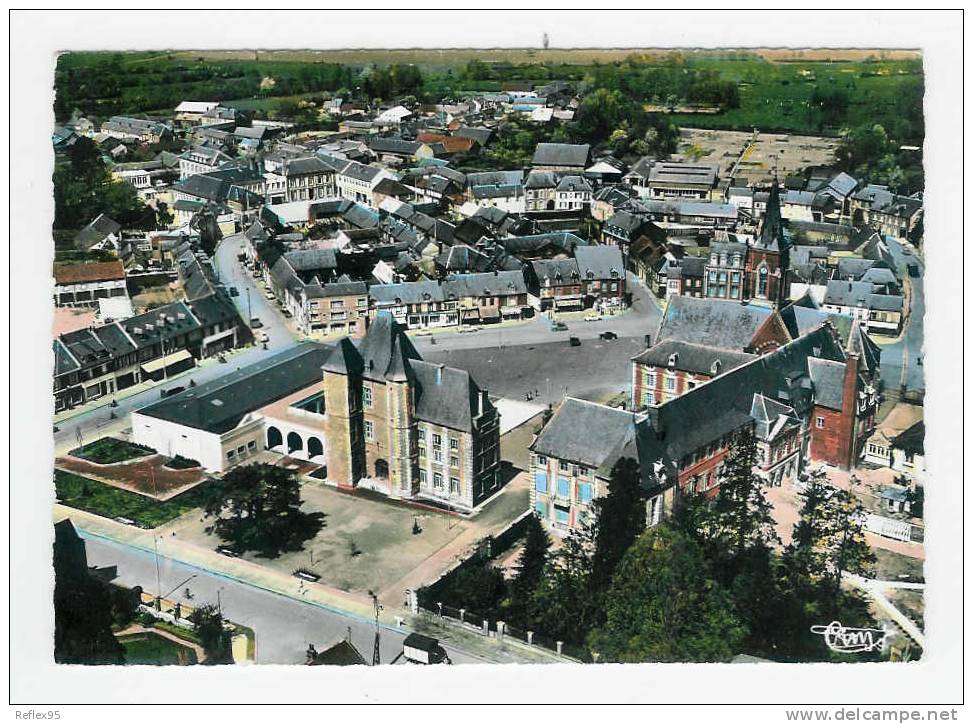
[[541, 509], [563, 487], [562, 515], [585, 492], [540, 482]]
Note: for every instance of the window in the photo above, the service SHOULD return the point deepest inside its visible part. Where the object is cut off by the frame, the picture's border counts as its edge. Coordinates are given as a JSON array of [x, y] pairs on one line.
[[670, 384], [422, 452], [453, 461], [585, 492], [437, 481], [366, 396], [422, 434], [819, 422], [541, 460], [230, 454], [563, 488], [540, 482], [437, 440], [437, 455], [582, 470], [540, 508], [561, 515], [239, 450], [454, 485], [422, 476], [563, 465], [453, 443], [252, 445], [369, 430]]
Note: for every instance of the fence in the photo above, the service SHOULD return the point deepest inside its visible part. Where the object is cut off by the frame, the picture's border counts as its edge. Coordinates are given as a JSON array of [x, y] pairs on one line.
[[899, 530]]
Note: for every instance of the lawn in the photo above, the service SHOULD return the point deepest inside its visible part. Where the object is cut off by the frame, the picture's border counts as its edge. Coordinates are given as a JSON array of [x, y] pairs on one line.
[[110, 502], [110, 450], [149, 649]]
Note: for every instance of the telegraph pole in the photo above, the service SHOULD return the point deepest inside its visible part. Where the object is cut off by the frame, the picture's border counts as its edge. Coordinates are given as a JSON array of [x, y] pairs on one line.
[[376, 654]]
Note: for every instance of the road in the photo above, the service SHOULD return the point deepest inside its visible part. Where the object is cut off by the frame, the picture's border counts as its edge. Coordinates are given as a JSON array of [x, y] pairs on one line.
[[900, 360], [97, 422], [284, 627]]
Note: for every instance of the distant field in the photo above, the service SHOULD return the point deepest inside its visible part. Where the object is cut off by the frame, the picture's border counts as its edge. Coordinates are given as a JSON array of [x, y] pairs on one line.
[[438, 58]]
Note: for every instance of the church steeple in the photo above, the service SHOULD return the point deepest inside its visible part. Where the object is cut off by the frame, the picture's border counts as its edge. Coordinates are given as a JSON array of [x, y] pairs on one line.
[[771, 235]]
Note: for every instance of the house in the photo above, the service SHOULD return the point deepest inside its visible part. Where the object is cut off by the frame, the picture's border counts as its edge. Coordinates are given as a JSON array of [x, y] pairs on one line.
[[82, 285], [624, 228], [891, 214], [686, 277], [138, 129], [908, 452], [607, 170], [878, 448], [686, 181], [602, 271], [573, 193], [306, 179], [102, 233], [200, 159], [193, 112], [397, 150], [414, 305], [564, 157], [606, 200], [393, 116], [725, 271], [879, 311], [638, 176], [357, 181], [540, 191]]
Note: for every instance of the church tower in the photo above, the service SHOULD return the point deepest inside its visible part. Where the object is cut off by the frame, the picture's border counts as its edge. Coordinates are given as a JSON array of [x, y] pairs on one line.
[[768, 257]]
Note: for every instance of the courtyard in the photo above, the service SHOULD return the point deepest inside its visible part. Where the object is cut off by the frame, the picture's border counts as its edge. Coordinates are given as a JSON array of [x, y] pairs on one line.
[[367, 541]]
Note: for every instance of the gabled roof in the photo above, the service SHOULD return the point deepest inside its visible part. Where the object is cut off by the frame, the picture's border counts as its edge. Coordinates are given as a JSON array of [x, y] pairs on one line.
[[587, 433], [100, 228], [561, 154], [912, 440], [694, 358], [719, 323], [827, 380], [100, 271], [598, 261]]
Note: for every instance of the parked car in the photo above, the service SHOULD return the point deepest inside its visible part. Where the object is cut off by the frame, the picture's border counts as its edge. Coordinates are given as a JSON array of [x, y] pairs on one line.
[[592, 317], [234, 292], [608, 335], [419, 649], [172, 391], [558, 326], [255, 323], [906, 251], [263, 337], [913, 269], [574, 342]]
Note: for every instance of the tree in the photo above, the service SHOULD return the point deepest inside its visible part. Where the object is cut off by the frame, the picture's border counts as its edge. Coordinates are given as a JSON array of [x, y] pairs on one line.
[[665, 605], [561, 606], [529, 570], [619, 519], [257, 507], [207, 622], [741, 516]]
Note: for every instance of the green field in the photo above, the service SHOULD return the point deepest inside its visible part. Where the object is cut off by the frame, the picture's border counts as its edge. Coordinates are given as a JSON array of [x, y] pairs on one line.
[[109, 502], [881, 87]]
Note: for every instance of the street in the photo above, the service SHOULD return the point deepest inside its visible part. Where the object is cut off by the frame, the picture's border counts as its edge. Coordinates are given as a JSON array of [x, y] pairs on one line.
[[284, 627], [904, 354]]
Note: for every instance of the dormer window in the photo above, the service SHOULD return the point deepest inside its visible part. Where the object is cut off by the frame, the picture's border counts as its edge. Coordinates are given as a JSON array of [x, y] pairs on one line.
[[673, 359], [614, 273], [715, 367]]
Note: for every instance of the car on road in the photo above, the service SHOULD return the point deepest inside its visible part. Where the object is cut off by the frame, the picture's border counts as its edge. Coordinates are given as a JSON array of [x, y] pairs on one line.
[[255, 323], [172, 391], [608, 335], [558, 326], [913, 269], [463, 330], [228, 552], [574, 342], [592, 317], [263, 337], [234, 292], [906, 251]]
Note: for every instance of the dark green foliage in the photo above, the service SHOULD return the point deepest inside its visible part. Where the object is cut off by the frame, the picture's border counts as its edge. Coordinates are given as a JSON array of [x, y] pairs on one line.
[[181, 463], [84, 188], [529, 571], [258, 508], [619, 520], [151, 650], [663, 605], [208, 626], [741, 514], [562, 606]]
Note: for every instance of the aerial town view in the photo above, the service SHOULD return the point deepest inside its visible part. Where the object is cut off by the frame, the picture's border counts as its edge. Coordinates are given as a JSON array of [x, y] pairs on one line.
[[537, 356]]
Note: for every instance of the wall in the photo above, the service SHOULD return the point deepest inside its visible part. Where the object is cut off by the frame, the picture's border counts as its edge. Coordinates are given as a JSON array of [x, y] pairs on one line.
[[171, 439]]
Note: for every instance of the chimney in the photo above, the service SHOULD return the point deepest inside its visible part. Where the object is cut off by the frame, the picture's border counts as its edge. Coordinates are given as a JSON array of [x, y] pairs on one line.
[[648, 341], [439, 374], [484, 399]]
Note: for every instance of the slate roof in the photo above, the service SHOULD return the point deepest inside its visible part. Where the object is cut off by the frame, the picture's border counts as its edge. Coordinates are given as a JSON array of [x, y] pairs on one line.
[[306, 260], [485, 284], [689, 267], [561, 242], [306, 165], [694, 358], [860, 294], [715, 322], [219, 405], [163, 323], [598, 261], [480, 135], [541, 180], [494, 178], [561, 154], [397, 146], [406, 293], [827, 379], [771, 417], [574, 184], [100, 228], [586, 433], [672, 172], [912, 440]]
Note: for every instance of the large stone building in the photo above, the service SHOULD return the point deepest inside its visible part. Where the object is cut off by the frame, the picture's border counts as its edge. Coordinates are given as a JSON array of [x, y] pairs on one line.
[[406, 427]]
